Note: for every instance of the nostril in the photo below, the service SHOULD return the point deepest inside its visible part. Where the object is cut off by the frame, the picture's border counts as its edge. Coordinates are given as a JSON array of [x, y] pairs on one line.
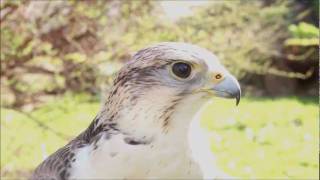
[[218, 76]]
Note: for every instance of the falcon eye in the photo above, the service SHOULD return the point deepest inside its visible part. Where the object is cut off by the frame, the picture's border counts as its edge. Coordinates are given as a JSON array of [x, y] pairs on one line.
[[182, 70]]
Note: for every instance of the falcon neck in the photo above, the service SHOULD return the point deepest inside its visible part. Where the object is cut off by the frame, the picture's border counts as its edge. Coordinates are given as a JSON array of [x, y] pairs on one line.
[[150, 117]]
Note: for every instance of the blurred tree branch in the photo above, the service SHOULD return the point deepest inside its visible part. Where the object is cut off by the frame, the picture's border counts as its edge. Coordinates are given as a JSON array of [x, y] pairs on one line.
[[40, 124], [6, 10]]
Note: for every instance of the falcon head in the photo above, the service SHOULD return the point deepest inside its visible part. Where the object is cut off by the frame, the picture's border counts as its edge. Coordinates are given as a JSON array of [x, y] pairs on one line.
[[164, 85]]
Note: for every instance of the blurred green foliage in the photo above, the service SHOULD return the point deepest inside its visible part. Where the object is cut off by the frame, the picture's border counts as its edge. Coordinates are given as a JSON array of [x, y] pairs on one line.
[[304, 30], [262, 138], [303, 34], [52, 47], [243, 34]]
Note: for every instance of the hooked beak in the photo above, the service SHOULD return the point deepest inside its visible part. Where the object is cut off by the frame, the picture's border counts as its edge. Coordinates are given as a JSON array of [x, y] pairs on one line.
[[227, 88]]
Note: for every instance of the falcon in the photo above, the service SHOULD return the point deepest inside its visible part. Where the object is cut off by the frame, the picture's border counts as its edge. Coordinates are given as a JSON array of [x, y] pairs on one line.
[[149, 125]]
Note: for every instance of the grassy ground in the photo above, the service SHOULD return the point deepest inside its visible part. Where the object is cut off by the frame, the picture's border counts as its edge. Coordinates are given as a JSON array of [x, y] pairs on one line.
[[263, 137]]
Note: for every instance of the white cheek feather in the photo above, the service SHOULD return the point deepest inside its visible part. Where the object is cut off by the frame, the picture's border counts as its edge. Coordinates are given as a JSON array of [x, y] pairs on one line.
[[143, 119]]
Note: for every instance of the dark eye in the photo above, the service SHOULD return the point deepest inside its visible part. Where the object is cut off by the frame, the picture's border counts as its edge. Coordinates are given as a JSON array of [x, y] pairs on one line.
[[182, 70]]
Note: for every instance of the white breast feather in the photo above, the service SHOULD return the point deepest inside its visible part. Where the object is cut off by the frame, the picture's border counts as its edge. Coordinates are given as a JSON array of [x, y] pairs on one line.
[[182, 156]]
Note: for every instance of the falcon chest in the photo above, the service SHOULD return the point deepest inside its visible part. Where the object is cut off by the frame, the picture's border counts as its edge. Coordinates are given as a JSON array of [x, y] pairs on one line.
[[168, 155], [114, 158]]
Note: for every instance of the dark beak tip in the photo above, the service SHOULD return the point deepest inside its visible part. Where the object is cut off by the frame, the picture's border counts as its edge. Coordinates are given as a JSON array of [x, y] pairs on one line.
[[237, 101], [238, 97]]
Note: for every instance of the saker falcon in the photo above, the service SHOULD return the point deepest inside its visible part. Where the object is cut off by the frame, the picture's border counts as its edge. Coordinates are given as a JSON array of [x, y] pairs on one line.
[[149, 126]]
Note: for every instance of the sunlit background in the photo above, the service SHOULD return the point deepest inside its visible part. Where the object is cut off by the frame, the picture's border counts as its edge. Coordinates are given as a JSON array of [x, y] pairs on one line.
[[58, 59]]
